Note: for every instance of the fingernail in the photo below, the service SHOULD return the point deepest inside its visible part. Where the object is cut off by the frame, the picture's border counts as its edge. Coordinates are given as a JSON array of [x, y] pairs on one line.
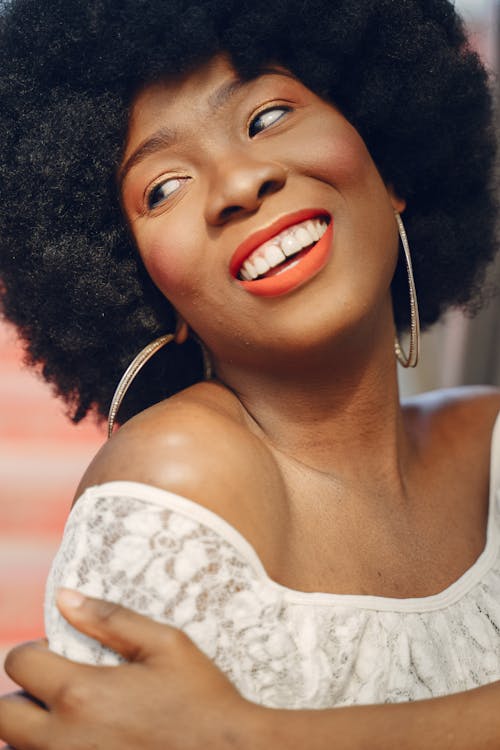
[[70, 598]]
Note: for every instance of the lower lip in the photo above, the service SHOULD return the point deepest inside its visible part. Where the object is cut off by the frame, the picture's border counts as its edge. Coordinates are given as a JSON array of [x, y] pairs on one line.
[[291, 278]]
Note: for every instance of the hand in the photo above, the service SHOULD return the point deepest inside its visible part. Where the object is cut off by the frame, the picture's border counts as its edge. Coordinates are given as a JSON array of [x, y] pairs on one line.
[[167, 696]]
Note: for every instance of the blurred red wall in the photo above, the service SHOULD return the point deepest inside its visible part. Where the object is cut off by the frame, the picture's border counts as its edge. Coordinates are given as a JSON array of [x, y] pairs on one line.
[[42, 457]]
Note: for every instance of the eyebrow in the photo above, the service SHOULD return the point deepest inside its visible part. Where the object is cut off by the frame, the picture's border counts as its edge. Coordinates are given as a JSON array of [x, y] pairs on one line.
[[166, 136]]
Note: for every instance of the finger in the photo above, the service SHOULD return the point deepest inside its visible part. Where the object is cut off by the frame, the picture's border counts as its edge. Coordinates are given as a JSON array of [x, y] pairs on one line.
[[21, 720], [135, 637], [39, 671]]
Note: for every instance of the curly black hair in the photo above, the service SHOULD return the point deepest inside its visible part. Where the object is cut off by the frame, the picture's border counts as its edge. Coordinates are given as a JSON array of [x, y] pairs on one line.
[[401, 71]]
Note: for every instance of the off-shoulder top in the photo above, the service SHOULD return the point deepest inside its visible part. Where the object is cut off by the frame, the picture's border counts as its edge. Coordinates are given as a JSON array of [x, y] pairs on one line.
[[167, 557]]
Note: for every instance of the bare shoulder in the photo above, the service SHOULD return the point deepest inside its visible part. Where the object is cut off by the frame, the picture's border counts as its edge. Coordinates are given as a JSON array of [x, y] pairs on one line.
[[195, 444], [474, 406], [461, 418]]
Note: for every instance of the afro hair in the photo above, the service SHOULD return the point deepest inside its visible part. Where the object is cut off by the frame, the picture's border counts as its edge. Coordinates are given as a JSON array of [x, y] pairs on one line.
[[72, 282]]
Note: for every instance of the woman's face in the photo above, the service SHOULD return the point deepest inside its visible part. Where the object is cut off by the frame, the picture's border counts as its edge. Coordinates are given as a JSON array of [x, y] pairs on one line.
[[259, 213]]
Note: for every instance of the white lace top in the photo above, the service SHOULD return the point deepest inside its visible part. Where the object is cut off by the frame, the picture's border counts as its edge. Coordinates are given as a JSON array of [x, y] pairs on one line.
[[167, 557]]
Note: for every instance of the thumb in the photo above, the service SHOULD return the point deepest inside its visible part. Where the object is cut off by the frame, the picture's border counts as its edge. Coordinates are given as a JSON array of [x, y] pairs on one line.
[[135, 637]]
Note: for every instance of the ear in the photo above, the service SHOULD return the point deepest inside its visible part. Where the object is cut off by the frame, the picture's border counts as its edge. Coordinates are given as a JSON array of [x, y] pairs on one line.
[[181, 331], [398, 204]]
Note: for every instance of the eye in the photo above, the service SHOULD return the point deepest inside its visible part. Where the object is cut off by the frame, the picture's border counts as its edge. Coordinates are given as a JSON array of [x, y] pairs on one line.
[[265, 119], [159, 193]]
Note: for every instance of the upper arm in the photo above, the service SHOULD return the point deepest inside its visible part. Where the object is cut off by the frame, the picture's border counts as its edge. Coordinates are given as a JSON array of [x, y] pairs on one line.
[[147, 552], [128, 550]]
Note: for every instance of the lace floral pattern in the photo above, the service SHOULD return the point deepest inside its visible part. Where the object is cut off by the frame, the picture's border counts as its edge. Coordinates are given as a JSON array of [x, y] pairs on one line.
[[168, 558]]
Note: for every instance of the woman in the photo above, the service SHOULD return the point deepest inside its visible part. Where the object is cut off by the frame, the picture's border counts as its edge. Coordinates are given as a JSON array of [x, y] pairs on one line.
[[252, 166]]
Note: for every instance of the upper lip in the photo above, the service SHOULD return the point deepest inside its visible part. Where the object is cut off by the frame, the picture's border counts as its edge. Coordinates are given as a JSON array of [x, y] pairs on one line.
[[267, 233]]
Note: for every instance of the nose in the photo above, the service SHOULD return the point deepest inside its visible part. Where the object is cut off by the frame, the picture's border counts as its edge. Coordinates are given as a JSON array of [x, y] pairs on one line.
[[239, 185]]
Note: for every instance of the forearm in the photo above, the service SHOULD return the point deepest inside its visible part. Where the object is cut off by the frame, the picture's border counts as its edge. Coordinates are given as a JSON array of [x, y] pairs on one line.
[[465, 721]]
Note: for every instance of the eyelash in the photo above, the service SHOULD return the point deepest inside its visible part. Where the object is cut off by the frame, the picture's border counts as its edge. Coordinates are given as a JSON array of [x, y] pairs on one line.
[[284, 109], [150, 205], [150, 193]]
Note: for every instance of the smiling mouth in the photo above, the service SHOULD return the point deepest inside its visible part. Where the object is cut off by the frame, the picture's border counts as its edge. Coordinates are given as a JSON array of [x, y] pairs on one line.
[[286, 259], [283, 251]]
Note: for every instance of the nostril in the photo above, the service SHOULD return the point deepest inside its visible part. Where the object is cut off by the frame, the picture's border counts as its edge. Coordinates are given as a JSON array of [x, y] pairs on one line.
[[229, 211], [242, 192], [267, 188]]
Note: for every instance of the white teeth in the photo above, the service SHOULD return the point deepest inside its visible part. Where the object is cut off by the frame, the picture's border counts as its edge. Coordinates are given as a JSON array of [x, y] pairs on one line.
[[274, 255], [245, 275], [261, 265], [285, 245], [304, 237], [250, 269], [312, 229], [290, 245]]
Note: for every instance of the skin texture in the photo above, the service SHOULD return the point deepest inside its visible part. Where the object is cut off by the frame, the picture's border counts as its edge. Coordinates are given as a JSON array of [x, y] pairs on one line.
[[306, 384], [232, 184]]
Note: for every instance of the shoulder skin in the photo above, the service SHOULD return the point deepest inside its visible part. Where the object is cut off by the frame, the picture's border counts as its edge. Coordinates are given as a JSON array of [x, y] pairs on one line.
[[469, 410], [196, 444], [458, 423]]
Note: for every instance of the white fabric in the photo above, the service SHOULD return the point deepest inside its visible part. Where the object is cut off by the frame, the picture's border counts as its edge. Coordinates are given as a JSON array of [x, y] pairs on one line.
[[167, 557]]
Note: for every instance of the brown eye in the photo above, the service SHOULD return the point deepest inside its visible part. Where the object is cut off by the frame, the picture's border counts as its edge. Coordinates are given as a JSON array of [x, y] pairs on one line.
[[266, 119], [160, 192]]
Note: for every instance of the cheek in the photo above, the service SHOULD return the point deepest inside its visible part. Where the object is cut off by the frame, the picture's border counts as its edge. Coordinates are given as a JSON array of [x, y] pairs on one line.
[[340, 158], [169, 259], [344, 161], [365, 215]]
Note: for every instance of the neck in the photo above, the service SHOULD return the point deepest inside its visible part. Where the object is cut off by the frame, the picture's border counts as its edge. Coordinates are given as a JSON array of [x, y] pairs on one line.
[[322, 416]]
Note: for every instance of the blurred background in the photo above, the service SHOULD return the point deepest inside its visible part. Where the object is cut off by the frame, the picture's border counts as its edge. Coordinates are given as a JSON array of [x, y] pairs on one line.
[[42, 455]]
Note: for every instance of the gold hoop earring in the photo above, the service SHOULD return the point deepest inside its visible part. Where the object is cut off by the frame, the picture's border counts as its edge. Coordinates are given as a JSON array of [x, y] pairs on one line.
[[136, 366], [411, 359]]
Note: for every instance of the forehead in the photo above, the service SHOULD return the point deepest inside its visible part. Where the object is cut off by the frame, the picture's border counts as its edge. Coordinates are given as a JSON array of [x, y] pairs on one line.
[[200, 92], [192, 86]]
